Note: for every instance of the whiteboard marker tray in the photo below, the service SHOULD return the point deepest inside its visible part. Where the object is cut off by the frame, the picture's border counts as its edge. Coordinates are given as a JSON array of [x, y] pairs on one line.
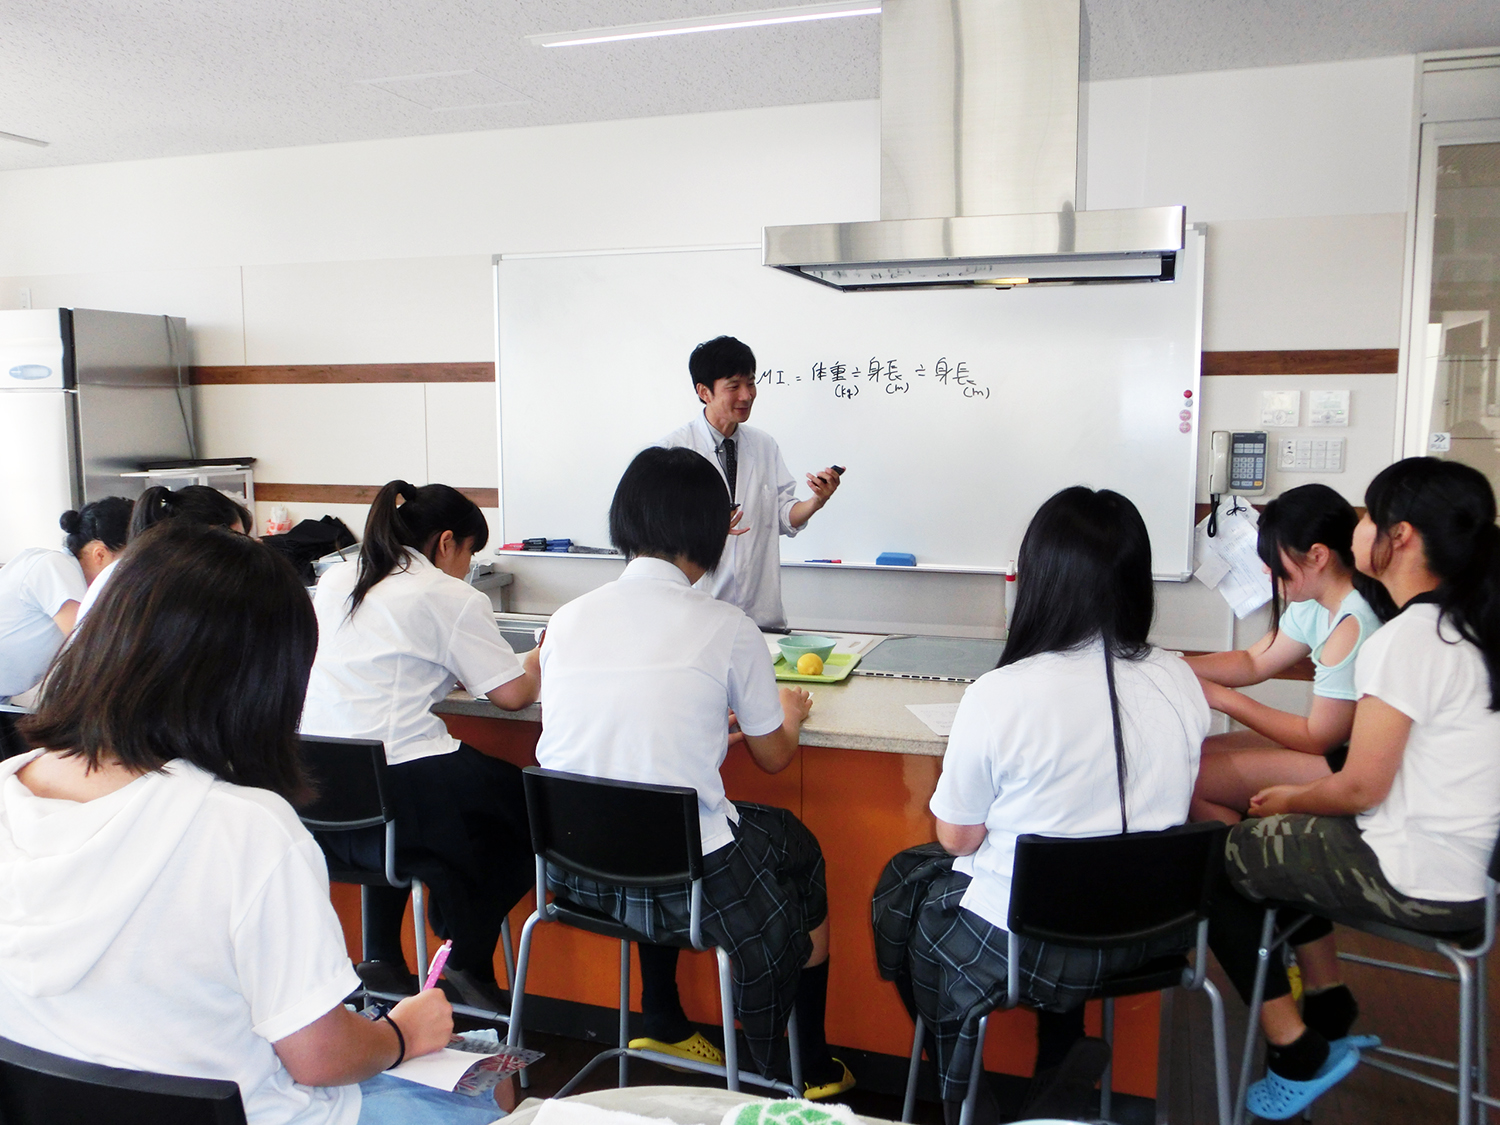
[[836, 668]]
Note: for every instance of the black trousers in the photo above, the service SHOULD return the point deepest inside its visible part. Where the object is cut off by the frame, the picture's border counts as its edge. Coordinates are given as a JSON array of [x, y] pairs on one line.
[[461, 828]]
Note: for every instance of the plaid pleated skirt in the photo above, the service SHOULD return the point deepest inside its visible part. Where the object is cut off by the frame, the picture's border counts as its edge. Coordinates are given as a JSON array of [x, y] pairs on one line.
[[762, 896], [950, 965]]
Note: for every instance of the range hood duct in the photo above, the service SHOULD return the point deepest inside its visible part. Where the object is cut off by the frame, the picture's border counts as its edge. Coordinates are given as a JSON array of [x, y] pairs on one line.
[[979, 164]]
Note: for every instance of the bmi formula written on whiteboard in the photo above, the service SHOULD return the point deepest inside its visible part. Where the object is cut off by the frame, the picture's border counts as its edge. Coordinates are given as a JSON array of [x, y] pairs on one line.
[[893, 377]]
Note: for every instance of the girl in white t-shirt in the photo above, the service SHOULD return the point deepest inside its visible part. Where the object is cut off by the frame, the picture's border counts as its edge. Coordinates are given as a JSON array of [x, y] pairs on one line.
[[161, 906], [1404, 832], [1321, 607], [1035, 748], [397, 628], [41, 590]]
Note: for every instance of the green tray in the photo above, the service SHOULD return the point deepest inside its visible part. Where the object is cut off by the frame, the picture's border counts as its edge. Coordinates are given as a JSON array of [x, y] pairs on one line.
[[837, 667]]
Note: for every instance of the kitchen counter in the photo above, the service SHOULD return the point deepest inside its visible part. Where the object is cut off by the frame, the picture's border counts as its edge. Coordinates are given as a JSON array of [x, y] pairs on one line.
[[862, 713]]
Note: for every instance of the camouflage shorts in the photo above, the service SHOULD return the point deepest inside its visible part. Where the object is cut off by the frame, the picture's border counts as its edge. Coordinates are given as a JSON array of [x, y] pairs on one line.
[[1324, 862]]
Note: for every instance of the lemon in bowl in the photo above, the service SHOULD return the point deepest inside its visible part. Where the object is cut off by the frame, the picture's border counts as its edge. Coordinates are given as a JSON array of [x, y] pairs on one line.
[[797, 645]]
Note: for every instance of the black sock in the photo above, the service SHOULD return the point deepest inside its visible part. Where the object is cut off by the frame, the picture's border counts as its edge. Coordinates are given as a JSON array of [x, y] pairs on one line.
[[1055, 1033], [818, 1066], [1331, 1011], [662, 1016], [382, 915], [1300, 1059]]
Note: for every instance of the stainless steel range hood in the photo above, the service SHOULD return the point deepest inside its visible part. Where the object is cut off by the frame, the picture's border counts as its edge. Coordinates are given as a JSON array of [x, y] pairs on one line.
[[979, 164]]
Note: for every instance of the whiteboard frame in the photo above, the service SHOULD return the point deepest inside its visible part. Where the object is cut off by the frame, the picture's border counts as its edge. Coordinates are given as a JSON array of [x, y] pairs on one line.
[[1193, 230]]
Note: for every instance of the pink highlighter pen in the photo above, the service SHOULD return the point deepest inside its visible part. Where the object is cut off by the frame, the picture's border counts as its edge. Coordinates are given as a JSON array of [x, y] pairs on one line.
[[439, 959]]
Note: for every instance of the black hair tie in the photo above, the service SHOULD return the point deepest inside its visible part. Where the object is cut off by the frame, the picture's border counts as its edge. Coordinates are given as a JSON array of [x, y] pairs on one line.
[[400, 1039]]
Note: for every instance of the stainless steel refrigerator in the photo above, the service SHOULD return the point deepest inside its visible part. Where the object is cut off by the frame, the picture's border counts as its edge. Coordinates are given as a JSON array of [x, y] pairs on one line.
[[85, 396]]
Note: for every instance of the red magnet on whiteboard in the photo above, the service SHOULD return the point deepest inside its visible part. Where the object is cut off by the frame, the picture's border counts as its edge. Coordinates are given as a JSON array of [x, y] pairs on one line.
[[1187, 394], [1185, 427]]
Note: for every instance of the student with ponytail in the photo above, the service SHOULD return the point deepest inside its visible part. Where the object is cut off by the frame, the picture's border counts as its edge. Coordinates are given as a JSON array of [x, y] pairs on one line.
[[1403, 833], [397, 628], [41, 590], [197, 503], [1084, 729], [1320, 606]]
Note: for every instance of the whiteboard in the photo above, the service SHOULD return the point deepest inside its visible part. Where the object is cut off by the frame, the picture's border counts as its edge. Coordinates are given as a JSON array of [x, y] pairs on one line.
[[956, 412]]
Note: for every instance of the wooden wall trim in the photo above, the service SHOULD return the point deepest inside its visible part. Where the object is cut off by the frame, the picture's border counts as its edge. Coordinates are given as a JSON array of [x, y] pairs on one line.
[[1347, 361], [346, 373], [271, 492]]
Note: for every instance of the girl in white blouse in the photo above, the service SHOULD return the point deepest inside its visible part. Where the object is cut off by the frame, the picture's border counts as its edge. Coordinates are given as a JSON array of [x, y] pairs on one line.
[[1403, 833], [397, 628]]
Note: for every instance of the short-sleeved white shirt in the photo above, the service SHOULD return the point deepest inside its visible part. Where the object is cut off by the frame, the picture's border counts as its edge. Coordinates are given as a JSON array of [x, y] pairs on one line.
[[33, 587], [96, 587], [1310, 624], [1434, 831], [379, 672], [638, 677], [181, 925], [749, 572], [1033, 750]]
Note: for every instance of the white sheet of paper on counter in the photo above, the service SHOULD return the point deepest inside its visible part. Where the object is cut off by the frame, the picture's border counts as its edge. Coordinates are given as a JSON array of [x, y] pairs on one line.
[[938, 717], [1228, 562]]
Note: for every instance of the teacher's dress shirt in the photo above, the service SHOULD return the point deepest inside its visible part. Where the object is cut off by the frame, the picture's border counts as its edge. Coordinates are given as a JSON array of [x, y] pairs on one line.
[[749, 573]]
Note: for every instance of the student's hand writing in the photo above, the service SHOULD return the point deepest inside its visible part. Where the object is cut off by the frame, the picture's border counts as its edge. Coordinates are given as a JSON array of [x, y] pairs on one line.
[[734, 521], [1274, 799], [426, 1020]]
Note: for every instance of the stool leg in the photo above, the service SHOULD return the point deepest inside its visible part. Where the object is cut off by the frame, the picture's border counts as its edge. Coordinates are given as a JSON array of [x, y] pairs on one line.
[[364, 923], [726, 1008], [419, 923], [508, 952], [794, 1048], [976, 1074], [1252, 1026], [1106, 1080], [624, 1009], [1221, 1051], [909, 1106], [1482, 1035], [1466, 1020]]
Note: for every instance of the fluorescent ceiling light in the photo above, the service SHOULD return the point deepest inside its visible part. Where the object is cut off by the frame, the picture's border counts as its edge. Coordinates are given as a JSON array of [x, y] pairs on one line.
[[838, 9], [23, 140]]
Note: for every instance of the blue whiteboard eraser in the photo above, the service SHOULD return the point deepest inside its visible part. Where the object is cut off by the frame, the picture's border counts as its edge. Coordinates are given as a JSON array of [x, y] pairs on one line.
[[896, 558]]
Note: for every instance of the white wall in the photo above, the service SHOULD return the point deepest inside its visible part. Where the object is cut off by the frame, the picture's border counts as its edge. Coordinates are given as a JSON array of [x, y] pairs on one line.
[[378, 252]]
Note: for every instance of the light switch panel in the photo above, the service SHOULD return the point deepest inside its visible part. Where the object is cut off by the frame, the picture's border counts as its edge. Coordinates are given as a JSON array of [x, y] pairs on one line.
[[1310, 455]]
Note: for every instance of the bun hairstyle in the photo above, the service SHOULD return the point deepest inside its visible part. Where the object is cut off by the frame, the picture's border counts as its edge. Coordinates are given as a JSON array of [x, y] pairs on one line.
[[1301, 517], [196, 503], [199, 648], [107, 521], [1452, 507], [403, 517]]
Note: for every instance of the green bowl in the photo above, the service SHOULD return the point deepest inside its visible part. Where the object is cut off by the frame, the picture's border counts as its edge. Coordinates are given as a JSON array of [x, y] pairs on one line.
[[794, 648]]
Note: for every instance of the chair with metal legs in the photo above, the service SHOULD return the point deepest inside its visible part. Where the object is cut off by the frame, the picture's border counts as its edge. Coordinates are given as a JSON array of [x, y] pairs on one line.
[[350, 775], [1105, 892], [1467, 952], [630, 835], [40, 1088]]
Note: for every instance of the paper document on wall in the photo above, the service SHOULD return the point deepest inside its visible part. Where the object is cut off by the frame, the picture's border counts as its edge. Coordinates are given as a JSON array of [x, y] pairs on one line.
[[1228, 562]]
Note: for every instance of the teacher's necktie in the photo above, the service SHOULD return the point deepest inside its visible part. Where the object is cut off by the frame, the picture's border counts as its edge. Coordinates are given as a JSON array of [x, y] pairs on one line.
[[731, 465]]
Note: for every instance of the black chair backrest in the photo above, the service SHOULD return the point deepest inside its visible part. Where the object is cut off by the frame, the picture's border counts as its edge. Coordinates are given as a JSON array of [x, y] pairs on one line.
[[349, 774], [11, 742], [618, 832], [1107, 891], [38, 1088]]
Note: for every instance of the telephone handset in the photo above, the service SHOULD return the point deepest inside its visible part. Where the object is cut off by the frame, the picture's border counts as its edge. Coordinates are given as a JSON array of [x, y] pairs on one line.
[[1237, 465]]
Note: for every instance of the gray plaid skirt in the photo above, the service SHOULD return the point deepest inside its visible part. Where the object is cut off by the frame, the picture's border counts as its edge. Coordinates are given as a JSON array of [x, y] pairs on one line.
[[762, 896], [949, 964]]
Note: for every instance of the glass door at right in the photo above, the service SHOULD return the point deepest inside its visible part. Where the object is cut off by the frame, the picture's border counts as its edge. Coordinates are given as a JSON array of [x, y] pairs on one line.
[[1455, 403]]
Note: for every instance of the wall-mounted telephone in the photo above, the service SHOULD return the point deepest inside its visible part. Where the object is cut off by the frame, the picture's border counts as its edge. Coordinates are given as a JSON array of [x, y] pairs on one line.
[[1237, 464]]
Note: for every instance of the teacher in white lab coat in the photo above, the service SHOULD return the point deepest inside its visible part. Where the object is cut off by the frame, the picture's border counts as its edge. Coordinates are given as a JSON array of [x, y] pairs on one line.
[[749, 574]]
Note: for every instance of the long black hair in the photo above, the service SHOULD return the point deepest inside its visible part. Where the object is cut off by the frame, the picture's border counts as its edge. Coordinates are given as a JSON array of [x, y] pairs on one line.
[[1301, 517], [1452, 507], [1084, 574], [200, 649], [107, 520], [416, 522], [196, 503]]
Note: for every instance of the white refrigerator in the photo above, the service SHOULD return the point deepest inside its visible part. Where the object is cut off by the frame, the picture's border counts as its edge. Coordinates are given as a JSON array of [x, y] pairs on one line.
[[85, 396]]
